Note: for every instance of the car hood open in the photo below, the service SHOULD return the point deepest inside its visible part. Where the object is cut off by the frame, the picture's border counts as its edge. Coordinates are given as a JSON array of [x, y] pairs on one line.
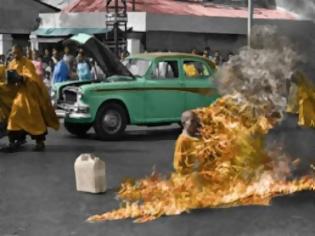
[[104, 57]]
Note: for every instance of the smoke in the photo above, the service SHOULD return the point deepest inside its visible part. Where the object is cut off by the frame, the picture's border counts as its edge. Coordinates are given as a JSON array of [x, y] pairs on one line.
[[304, 8], [261, 74]]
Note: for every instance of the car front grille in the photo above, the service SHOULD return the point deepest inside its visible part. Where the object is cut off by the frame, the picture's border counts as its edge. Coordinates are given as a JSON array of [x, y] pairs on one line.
[[69, 97]]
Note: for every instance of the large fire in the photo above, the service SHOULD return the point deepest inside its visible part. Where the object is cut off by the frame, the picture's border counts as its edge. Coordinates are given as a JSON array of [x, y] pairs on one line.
[[235, 166], [235, 170]]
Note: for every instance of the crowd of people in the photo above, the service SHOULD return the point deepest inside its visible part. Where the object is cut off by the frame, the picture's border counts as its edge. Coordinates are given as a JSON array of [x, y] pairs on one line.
[[54, 66], [214, 55]]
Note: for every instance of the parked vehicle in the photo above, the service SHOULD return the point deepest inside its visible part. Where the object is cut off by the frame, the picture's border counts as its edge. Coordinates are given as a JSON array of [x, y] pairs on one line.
[[145, 89]]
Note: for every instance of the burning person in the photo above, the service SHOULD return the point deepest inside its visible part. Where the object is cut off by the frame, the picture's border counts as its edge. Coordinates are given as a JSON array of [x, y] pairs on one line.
[[31, 112], [185, 159]]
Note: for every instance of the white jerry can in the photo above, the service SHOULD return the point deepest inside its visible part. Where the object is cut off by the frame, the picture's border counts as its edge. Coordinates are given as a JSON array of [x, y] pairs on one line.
[[90, 174]]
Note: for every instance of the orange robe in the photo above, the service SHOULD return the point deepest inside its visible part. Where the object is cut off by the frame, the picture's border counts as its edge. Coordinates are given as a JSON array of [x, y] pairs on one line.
[[7, 95], [32, 110], [185, 158], [2, 73], [302, 101], [306, 93]]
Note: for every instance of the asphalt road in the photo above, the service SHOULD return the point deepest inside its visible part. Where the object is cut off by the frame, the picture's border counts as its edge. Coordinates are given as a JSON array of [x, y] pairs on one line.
[[38, 196]]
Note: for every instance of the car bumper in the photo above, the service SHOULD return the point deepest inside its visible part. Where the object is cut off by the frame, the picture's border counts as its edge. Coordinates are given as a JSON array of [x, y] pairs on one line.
[[72, 114]]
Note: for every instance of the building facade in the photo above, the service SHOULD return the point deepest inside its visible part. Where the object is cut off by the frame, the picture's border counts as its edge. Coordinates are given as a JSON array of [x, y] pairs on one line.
[[18, 19]]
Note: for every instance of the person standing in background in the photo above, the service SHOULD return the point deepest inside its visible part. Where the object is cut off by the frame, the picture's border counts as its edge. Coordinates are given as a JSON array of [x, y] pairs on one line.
[[37, 61], [217, 58], [68, 59], [54, 60], [61, 71], [46, 57], [83, 68], [47, 65], [96, 71], [207, 53]]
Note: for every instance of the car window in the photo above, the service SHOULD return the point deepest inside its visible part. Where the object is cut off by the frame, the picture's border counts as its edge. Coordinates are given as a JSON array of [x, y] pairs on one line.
[[137, 67], [166, 70], [195, 69]]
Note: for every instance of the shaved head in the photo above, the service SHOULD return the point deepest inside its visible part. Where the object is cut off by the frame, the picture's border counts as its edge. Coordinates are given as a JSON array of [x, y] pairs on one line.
[[187, 115], [17, 46], [17, 52], [191, 123]]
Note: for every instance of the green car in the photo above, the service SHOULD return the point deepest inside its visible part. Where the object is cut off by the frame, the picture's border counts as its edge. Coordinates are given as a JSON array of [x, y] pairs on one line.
[[146, 89]]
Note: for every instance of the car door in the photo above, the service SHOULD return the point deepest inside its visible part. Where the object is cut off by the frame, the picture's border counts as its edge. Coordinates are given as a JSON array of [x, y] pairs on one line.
[[198, 83], [164, 97]]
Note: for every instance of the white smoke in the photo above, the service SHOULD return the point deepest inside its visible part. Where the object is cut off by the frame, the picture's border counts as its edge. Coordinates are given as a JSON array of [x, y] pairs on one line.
[[304, 8], [261, 74]]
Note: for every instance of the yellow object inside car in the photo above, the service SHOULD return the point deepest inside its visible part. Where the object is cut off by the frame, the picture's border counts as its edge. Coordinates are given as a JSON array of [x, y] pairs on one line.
[[190, 70]]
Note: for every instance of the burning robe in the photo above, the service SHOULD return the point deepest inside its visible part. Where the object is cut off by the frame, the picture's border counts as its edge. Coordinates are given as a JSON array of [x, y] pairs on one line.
[[31, 109], [185, 159]]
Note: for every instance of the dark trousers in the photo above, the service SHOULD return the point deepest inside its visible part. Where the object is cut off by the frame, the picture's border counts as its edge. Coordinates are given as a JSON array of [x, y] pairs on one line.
[[21, 136]]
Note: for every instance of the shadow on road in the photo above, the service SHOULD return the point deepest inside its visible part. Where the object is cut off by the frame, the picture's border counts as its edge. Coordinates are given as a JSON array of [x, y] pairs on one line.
[[88, 149], [137, 135]]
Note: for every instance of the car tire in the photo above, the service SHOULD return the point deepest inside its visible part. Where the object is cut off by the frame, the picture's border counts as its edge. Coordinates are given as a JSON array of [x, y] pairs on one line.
[[110, 122], [77, 129]]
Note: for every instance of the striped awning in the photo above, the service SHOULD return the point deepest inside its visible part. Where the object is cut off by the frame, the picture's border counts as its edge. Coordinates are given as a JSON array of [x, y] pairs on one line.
[[58, 32]]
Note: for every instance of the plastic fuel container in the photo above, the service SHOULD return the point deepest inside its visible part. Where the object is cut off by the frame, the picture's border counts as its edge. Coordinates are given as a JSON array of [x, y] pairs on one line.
[[90, 174]]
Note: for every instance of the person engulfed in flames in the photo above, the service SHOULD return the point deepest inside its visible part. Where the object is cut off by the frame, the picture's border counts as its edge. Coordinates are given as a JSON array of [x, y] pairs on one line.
[[185, 159], [225, 161]]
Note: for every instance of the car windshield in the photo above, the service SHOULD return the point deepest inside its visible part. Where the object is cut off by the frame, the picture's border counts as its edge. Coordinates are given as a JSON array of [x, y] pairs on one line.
[[138, 67]]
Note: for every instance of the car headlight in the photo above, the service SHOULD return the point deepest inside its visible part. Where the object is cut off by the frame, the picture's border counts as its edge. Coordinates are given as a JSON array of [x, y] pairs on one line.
[[53, 94], [79, 96]]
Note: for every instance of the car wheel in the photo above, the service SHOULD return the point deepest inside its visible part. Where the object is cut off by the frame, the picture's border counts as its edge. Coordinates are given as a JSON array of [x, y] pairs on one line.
[[110, 122], [77, 129]]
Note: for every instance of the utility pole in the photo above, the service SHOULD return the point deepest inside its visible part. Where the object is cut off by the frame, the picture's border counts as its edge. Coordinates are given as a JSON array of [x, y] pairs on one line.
[[250, 22], [116, 22]]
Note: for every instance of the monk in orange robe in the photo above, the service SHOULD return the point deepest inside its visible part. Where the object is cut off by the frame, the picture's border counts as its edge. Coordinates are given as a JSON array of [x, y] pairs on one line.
[[302, 100], [32, 111], [185, 158]]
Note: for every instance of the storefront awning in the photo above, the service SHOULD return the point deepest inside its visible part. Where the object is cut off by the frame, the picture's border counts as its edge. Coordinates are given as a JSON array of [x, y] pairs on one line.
[[58, 32]]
